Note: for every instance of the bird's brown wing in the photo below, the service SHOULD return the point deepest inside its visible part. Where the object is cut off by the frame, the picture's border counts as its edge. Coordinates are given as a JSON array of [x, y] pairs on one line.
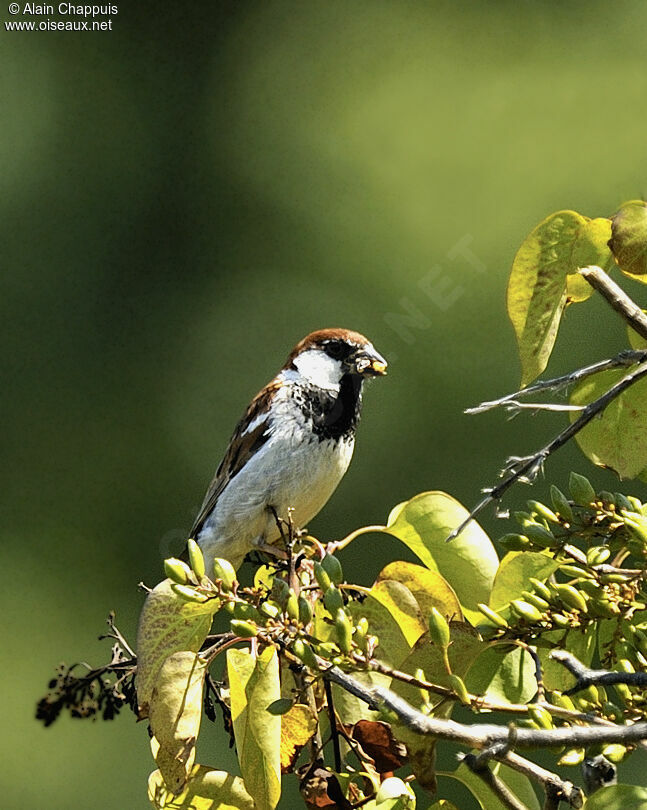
[[243, 445]]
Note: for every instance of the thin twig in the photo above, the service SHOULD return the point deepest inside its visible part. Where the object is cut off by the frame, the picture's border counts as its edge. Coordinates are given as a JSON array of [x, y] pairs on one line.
[[556, 789], [479, 704], [585, 677], [334, 734], [116, 634], [617, 298], [514, 406], [625, 359], [526, 468]]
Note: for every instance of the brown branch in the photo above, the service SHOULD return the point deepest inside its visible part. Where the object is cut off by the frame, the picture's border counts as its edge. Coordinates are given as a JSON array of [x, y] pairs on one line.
[[617, 298], [526, 468]]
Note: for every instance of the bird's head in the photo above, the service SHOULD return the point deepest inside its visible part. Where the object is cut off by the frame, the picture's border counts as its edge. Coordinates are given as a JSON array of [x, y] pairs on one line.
[[324, 357]]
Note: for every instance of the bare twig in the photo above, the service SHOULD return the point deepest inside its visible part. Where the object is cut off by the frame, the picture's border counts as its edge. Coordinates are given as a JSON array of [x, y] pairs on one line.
[[556, 789], [585, 677], [526, 468], [617, 298], [334, 734], [315, 745], [539, 675], [479, 704], [514, 406], [625, 359], [117, 635]]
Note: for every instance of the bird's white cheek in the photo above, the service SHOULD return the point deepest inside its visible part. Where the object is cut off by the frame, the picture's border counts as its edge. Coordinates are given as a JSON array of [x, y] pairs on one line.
[[318, 369]]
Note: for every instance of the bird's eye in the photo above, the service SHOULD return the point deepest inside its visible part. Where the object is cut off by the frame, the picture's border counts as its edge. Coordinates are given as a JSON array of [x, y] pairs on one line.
[[335, 349]]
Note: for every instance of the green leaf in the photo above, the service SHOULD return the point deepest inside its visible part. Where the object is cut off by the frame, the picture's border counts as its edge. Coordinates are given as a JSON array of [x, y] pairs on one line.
[[351, 708], [468, 563], [514, 571], [393, 646], [167, 624], [175, 711], [503, 676], [537, 289], [206, 789], [421, 750], [322, 628], [518, 783], [429, 588], [402, 605], [618, 797], [465, 647], [581, 643], [254, 685], [427, 656], [618, 437], [636, 341], [442, 804], [629, 239]]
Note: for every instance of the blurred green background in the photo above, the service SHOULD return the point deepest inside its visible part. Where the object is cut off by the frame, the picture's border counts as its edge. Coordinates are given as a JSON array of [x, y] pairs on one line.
[[185, 197]]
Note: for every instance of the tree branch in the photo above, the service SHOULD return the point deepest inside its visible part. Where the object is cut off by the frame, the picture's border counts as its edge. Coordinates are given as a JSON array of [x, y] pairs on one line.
[[480, 768], [585, 677], [526, 468], [556, 789], [617, 298], [482, 735]]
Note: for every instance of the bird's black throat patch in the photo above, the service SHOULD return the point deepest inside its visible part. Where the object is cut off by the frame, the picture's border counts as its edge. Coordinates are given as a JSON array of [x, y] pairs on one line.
[[333, 415]]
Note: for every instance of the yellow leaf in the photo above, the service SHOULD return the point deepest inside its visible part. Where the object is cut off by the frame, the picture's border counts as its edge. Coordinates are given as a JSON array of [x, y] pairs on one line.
[[542, 280], [429, 588], [468, 563], [167, 624], [254, 684], [175, 713], [297, 729], [206, 789], [591, 248], [401, 604]]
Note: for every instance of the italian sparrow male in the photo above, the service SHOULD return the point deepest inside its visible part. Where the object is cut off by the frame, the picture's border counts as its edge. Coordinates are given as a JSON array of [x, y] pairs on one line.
[[291, 448]]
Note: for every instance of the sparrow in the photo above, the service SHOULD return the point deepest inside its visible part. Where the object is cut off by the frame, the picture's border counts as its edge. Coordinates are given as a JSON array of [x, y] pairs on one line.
[[291, 448]]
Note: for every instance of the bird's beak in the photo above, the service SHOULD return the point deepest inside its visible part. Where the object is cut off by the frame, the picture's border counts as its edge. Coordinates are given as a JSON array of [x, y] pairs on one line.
[[369, 363]]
